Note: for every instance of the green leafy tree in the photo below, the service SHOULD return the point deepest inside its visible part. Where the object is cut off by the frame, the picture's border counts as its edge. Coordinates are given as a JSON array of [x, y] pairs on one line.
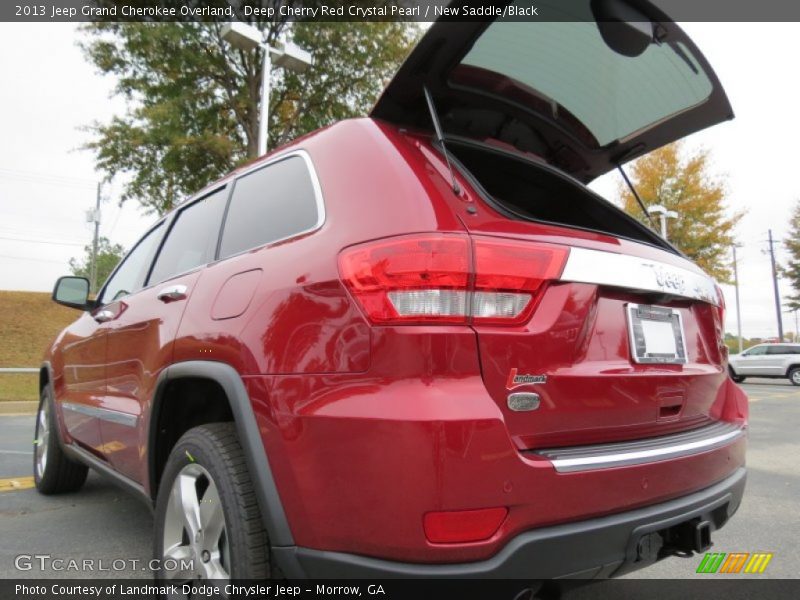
[[193, 99], [682, 182], [791, 271], [108, 256]]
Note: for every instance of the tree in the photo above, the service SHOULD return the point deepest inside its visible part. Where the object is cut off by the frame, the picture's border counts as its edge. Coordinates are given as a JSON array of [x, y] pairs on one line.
[[193, 98], [108, 256], [681, 181], [791, 271]]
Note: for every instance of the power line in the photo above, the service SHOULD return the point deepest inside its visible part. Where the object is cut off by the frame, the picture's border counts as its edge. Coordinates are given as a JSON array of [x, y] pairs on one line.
[[58, 262], [14, 173], [32, 241]]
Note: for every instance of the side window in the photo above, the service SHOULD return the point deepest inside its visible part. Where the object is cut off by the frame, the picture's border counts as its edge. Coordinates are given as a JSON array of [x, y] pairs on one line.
[[129, 277], [192, 239], [778, 350], [272, 203], [757, 351]]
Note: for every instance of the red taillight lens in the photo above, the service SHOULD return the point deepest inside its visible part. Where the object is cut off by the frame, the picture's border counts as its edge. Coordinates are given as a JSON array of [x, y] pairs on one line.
[[719, 313], [416, 278], [508, 273], [721, 305], [431, 278], [460, 526]]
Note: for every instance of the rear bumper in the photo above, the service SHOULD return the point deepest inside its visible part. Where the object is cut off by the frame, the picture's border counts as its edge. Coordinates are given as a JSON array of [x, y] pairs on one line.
[[601, 547]]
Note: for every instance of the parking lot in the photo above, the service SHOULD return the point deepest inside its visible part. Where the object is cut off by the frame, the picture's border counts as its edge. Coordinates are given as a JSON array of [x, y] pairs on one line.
[[103, 522]]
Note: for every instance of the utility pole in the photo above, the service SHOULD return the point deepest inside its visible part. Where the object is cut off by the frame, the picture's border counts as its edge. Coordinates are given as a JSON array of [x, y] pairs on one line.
[[796, 330], [775, 287], [96, 220], [738, 307]]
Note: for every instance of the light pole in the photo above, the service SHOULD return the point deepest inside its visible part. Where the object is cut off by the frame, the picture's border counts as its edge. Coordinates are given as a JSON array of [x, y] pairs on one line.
[[290, 56], [664, 214]]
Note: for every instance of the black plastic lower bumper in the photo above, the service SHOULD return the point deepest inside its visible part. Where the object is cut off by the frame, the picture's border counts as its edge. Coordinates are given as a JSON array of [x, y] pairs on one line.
[[600, 547]]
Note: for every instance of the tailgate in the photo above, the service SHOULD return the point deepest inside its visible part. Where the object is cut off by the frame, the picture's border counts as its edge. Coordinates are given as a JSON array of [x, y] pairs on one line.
[[623, 345]]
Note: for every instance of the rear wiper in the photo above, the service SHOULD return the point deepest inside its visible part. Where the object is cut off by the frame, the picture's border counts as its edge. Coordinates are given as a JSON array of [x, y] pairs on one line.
[[440, 138], [636, 195]]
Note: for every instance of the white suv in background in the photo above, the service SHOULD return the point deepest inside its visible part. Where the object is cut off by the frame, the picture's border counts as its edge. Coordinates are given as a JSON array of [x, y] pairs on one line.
[[767, 360]]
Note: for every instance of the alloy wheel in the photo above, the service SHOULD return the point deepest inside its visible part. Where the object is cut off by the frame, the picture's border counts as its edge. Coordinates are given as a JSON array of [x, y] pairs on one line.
[[195, 533], [42, 437]]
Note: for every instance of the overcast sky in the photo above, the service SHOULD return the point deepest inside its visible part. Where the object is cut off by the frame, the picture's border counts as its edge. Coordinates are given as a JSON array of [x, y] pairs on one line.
[[48, 92]]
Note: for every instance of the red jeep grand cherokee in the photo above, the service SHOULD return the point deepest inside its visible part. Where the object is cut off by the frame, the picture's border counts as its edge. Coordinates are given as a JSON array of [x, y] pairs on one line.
[[372, 353]]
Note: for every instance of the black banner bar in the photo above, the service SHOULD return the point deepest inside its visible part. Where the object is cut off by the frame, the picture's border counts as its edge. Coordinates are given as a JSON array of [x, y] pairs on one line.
[[376, 10], [707, 587]]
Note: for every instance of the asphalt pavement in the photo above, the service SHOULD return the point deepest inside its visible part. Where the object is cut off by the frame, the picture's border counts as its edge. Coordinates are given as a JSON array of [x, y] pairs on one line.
[[104, 524]]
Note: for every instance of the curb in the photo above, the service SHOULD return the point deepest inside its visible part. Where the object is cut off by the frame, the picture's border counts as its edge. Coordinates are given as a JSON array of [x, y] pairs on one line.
[[18, 407]]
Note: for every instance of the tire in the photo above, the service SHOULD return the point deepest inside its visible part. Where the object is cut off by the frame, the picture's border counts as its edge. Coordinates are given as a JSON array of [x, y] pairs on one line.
[[53, 471], [223, 536], [794, 375], [736, 378]]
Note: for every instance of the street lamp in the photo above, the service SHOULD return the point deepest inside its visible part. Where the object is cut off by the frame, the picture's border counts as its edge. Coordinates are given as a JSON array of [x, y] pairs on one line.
[[664, 214], [290, 56]]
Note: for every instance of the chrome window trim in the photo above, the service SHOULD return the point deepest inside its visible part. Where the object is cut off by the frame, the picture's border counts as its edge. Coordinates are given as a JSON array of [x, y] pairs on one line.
[[104, 414], [315, 184], [602, 456], [634, 273]]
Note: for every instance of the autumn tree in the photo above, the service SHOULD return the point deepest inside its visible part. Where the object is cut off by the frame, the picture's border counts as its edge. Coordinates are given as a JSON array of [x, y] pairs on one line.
[[681, 181], [193, 99], [108, 256], [791, 271]]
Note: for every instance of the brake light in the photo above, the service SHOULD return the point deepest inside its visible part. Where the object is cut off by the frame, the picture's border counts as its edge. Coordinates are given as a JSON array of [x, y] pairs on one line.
[[446, 278], [719, 311]]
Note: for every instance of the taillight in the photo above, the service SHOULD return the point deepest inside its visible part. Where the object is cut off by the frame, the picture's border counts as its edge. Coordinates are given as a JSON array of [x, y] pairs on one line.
[[443, 278], [508, 275], [719, 311]]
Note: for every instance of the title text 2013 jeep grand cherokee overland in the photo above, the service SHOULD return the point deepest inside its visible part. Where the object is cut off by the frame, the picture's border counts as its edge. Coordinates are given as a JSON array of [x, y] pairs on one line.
[[348, 359]]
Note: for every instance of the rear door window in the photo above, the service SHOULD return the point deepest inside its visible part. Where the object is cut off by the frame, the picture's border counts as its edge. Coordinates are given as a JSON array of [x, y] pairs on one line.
[[192, 239], [778, 350], [273, 203]]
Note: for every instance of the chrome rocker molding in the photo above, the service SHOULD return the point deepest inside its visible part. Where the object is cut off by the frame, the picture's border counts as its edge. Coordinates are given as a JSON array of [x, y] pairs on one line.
[[105, 414], [634, 273], [601, 456]]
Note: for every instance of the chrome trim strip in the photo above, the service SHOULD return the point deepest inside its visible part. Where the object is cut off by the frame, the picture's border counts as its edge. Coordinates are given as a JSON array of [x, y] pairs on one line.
[[104, 414], [631, 272], [570, 460]]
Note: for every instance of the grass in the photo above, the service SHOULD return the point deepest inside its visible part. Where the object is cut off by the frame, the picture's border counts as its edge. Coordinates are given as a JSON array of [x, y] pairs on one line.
[[19, 386], [28, 323]]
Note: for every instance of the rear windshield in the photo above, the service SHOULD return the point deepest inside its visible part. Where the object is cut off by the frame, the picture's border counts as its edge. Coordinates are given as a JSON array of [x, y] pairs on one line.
[[611, 95]]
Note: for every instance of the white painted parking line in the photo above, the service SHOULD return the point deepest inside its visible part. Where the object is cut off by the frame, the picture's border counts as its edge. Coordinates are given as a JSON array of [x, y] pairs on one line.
[[28, 452]]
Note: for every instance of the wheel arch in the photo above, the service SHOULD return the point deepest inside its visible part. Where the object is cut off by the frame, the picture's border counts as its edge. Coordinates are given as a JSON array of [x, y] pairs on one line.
[[232, 387]]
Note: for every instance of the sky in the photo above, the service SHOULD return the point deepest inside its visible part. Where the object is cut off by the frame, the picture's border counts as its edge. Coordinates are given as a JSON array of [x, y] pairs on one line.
[[49, 93]]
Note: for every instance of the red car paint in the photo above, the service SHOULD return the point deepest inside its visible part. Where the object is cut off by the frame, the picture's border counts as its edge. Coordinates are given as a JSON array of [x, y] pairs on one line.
[[368, 428]]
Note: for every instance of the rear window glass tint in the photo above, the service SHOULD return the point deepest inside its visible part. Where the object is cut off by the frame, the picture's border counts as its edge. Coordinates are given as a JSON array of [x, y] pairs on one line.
[[614, 96], [270, 204]]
